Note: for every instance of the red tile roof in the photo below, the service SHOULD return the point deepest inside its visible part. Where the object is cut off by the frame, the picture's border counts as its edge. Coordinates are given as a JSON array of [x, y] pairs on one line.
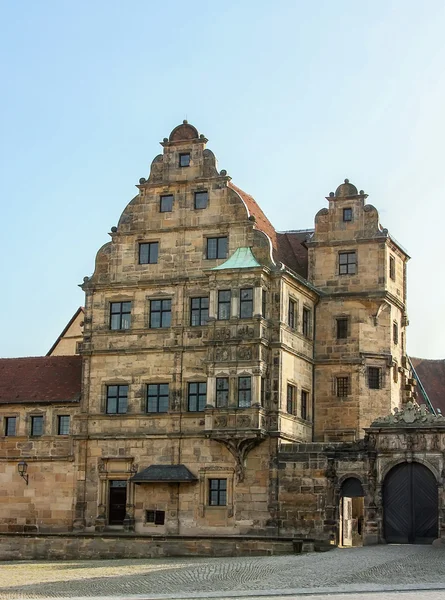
[[287, 246], [432, 375], [40, 379]]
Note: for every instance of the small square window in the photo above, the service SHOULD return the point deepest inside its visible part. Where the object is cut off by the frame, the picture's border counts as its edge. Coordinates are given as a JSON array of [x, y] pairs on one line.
[[342, 328], [347, 214], [374, 378], [63, 425], [184, 160], [148, 253], [217, 247], [343, 387], [392, 268], [156, 517], [201, 199], [347, 263], [222, 392], [10, 426], [120, 315], [246, 303], [166, 203], [217, 492], [117, 399], [157, 398], [197, 396], [37, 426]]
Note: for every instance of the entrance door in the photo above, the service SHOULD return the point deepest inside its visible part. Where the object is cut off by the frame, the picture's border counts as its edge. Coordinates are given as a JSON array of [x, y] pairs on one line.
[[347, 521], [117, 503], [410, 504]]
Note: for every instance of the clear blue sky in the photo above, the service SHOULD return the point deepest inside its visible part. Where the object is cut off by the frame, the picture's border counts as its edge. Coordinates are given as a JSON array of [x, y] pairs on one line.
[[294, 96]]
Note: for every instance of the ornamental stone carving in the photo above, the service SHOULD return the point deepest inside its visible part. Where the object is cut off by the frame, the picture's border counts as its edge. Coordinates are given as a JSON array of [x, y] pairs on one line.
[[410, 414], [222, 354], [245, 353], [222, 334], [220, 421]]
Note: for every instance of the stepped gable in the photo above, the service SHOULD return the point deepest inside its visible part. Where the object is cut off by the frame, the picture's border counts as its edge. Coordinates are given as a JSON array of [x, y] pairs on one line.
[[40, 379], [432, 376], [287, 246]]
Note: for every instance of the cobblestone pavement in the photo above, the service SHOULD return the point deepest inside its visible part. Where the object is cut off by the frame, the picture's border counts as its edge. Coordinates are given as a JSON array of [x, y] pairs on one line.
[[342, 569]]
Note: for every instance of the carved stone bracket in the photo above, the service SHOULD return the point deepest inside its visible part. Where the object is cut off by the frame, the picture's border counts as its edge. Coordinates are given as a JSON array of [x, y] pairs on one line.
[[240, 448]]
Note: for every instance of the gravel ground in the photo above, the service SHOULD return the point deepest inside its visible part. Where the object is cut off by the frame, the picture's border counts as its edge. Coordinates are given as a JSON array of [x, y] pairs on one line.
[[341, 569]]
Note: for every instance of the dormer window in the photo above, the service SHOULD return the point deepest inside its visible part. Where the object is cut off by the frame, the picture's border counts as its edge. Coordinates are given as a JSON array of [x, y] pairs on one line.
[[184, 160], [347, 214]]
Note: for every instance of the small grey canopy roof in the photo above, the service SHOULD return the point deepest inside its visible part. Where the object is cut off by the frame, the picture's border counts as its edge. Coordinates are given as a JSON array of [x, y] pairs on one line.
[[164, 473]]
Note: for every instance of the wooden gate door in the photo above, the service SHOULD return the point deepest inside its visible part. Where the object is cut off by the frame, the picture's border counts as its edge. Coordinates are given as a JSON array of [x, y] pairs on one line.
[[410, 505], [118, 500]]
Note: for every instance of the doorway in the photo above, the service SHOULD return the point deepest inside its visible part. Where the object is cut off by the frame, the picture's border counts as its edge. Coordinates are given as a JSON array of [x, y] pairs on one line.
[[352, 507], [410, 505], [117, 502]]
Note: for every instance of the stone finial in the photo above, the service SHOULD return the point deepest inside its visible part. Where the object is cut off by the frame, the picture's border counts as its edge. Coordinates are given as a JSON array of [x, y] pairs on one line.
[[185, 122], [345, 190], [85, 279], [165, 140], [331, 194], [113, 229], [142, 180], [223, 172]]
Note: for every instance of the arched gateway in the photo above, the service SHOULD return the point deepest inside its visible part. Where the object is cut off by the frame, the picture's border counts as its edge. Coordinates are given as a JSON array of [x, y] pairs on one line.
[[410, 505]]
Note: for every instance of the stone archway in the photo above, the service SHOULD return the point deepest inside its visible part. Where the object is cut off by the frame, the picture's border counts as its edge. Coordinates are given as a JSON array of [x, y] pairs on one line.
[[351, 511], [410, 505]]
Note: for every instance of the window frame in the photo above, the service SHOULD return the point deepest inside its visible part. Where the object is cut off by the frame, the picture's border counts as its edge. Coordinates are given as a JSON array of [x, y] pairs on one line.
[[244, 403], [223, 390], [342, 327], [118, 396], [226, 303], [219, 254], [158, 517], [263, 303], [37, 419], [149, 254], [198, 395], [200, 193], [161, 198], [304, 405], [347, 212], [349, 267], [395, 332], [392, 267], [199, 311], [162, 311], [374, 375], [292, 313], [246, 302], [59, 424], [220, 488], [158, 397], [291, 392], [8, 420], [121, 314], [306, 322], [181, 156], [342, 386]]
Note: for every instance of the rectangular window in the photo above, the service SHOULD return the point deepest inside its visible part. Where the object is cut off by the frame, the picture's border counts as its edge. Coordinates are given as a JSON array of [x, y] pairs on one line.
[[304, 404], [120, 315], [392, 268], [292, 313], [246, 303], [199, 311], [197, 396], [222, 392], [217, 492], [63, 425], [263, 303], [148, 253], [374, 378], [290, 400], [244, 392], [347, 214], [36, 426], [160, 313], [157, 398], [395, 333], [184, 159], [201, 199], [10, 426], [347, 263], [224, 302], [217, 247], [117, 399], [306, 322], [343, 387], [156, 517], [342, 328], [166, 204], [263, 392]]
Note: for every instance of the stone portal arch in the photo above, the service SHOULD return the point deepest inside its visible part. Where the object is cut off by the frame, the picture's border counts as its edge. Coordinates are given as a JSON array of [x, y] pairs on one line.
[[410, 504]]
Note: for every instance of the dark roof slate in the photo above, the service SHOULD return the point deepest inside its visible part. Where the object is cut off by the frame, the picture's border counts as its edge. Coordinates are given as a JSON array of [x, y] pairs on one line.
[[432, 375], [40, 379], [164, 473]]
